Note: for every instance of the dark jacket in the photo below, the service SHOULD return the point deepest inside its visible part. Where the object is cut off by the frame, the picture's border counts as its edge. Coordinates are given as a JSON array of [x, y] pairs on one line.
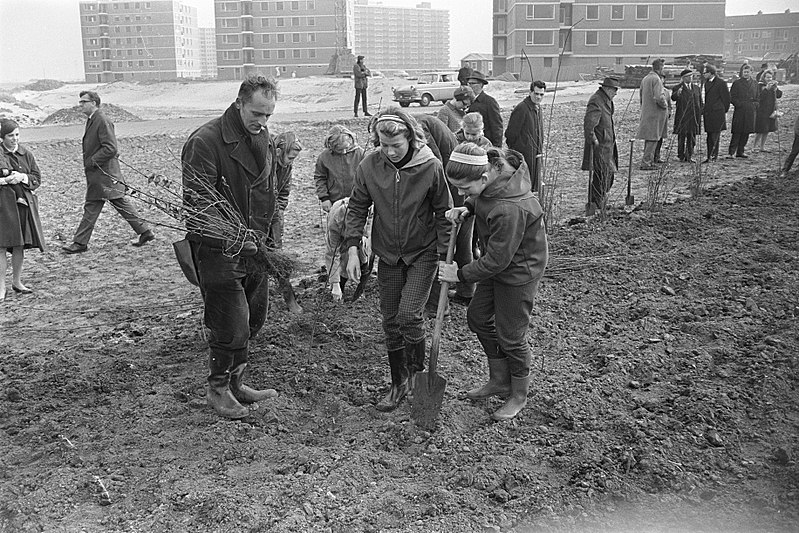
[[409, 206], [10, 228], [510, 223], [361, 75], [688, 117], [100, 159], [598, 124], [525, 134], [767, 105], [442, 142], [744, 96], [492, 120], [334, 173], [717, 103], [463, 74], [216, 150]]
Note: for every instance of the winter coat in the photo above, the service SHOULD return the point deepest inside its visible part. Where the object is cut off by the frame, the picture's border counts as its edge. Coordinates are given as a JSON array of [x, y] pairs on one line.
[[219, 149], [744, 96], [688, 117], [409, 206], [654, 108], [510, 223], [361, 75], [11, 231], [717, 103], [336, 254], [525, 134], [451, 116], [767, 105], [334, 173], [492, 119], [482, 141], [598, 124], [100, 159]]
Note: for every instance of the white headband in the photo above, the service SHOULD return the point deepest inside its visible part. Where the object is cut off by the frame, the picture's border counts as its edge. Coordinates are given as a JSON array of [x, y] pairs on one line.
[[458, 157], [392, 118]]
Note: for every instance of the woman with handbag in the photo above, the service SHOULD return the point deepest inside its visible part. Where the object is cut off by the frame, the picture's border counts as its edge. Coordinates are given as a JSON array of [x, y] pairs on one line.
[[20, 227], [766, 116]]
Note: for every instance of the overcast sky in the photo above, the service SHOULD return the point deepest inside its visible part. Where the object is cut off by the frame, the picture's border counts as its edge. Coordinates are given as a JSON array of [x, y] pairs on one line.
[[41, 38]]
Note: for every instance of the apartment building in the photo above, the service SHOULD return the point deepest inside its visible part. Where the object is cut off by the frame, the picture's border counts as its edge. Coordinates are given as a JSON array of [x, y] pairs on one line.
[[155, 40], [207, 52], [769, 36], [547, 40], [402, 38]]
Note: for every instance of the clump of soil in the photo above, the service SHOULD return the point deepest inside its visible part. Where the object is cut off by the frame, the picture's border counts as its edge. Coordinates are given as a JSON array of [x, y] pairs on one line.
[[73, 115], [43, 85]]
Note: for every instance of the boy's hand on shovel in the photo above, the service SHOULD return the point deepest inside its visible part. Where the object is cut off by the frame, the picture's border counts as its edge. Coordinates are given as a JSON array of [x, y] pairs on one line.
[[448, 273]]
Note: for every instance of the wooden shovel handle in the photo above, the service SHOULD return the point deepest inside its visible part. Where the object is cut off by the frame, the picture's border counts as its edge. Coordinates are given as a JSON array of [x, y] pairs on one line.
[[442, 303]]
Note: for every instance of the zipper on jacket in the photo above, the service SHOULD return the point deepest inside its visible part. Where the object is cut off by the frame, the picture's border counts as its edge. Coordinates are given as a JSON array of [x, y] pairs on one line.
[[396, 212]]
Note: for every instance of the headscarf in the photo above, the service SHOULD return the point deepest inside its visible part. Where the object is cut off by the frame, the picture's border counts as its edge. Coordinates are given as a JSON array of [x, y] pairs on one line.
[[340, 140], [284, 142]]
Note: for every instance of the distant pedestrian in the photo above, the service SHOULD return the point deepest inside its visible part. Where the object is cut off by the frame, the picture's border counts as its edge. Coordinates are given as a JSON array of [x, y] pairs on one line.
[[525, 132], [688, 117], [487, 107], [334, 172], [452, 112], [763, 69], [766, 115], [463, 74], [794, 150], [714, 113], [361, 75], [600, 141], [744, 96], [103, 178], [654, 114]]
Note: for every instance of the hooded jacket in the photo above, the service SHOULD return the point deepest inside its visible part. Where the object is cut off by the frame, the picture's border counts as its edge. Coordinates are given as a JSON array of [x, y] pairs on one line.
[[409, 206], [510, 222]]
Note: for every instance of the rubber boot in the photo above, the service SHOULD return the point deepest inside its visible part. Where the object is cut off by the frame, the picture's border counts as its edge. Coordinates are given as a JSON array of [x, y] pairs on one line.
[[414, 356], [289, 297], [399, 381], [519, 387], [242, 392], [498, 381], [221, 398]]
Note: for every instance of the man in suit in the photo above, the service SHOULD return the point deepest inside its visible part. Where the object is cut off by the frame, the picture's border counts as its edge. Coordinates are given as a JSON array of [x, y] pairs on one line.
[[654, 114], [487, 107], [688, 117], [361, 75], [525, 132], [600, 152], [103, 178], [714, 114]]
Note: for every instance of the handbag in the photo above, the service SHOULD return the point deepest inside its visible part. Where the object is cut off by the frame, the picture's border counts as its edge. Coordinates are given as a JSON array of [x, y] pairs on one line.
[[186, 260]]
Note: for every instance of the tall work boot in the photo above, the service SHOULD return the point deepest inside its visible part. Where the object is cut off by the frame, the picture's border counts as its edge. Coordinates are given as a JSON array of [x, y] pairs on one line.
[[519, 387], [289, 297], [242, 392], [219, 395], [498, 381], [399, 381], [414, 357]]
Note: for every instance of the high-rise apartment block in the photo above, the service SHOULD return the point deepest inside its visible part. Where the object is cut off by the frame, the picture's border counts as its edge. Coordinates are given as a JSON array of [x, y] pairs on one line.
[[764, 36], [311, 37], [158, 40], [571, 37], [207, 52]]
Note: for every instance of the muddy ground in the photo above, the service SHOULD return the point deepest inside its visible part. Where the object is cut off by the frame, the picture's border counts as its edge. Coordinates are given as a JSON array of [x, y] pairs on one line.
[[665, 349]]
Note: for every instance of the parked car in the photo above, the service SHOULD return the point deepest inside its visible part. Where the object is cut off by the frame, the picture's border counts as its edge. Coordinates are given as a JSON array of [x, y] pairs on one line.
[[430, 87]]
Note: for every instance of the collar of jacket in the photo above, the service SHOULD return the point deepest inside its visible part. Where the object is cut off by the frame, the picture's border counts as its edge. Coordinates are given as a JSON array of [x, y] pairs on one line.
[[21, 150], [421, 155], [233, 132], [515, 186]]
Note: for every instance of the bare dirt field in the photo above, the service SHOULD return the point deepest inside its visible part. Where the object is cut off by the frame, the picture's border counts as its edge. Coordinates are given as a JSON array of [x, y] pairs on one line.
[[664, 337]]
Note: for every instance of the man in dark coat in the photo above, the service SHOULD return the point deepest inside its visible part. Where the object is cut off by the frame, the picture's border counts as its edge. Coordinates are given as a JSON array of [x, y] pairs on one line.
[[525, 132], [487, 107], [464, 73], [361, 75], [103, 178], [599, 151], [235, 155], [744, 95], [688, 116], [714, 114]]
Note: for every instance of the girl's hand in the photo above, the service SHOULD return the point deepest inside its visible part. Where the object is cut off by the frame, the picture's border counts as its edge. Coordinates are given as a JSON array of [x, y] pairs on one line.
[[457, 214], [337, 296], [448, 273]]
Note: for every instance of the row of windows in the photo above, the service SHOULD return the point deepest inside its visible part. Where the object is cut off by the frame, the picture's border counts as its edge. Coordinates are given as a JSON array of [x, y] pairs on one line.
[[547, 38], [547, 12], [279, 21], [267, 38], [762, 34], [277, 6], [310, 53], [126, 5]]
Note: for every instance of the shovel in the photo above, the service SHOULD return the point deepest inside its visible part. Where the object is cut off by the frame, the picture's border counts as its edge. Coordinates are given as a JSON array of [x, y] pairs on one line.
[[428, 391], [630, 200]]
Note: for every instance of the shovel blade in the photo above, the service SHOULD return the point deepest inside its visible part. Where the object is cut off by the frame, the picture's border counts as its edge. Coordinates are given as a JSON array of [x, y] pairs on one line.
[[428, 395], [630, 200]]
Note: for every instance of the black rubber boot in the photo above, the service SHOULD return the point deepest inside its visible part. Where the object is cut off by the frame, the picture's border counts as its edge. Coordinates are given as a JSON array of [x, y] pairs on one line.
[[519, 387], [399, 381], [219, 395], [243, 393], [498, 381], [414, 357]]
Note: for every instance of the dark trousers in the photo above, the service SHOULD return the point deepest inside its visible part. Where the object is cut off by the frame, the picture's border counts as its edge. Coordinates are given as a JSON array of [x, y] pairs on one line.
[[713, 138], [792, 156], [92, 209], [499, 315], [360, 93], [685, 145], [600, 186], [738, 143], [236, 305], [403, 292], [463, 256]]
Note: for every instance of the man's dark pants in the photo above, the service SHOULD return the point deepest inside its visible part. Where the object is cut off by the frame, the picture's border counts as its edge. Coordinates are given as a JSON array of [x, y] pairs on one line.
[[713, 138], [360, 93], [792, 156], [738, 143], [685, 146], [92, 209]]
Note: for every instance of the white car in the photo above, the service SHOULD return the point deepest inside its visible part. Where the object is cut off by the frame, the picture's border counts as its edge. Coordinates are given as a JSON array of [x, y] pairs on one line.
[[429, 87]]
